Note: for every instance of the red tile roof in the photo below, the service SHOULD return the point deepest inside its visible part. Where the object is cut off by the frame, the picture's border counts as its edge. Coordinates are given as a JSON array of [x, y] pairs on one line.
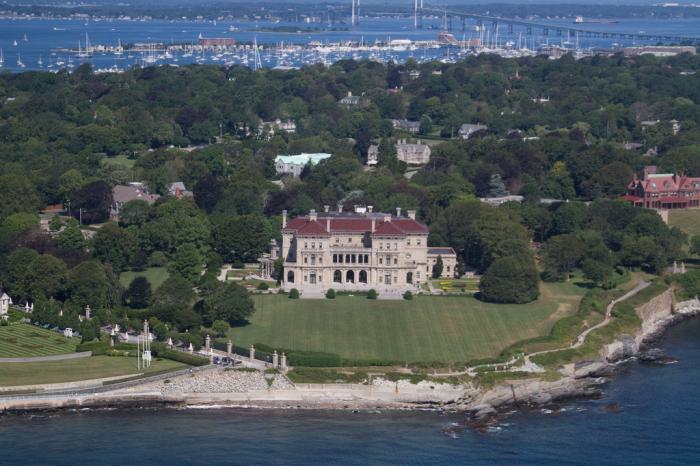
[[388, 229], [312, 229]]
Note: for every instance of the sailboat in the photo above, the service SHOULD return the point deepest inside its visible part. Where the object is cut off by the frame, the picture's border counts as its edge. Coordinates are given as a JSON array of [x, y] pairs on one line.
[[84, 53], [40, 62], [19, 61], [119, 51], [25, 38], [2, 59], [14, 43]]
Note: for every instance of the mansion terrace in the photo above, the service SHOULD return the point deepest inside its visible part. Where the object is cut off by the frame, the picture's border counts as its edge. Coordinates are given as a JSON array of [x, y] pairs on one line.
[[358, 250]]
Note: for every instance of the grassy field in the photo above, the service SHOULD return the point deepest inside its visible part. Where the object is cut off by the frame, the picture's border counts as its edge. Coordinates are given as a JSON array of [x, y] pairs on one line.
[[686, 220], [445, 329], [155, 275], [97, 367], [21, 340]]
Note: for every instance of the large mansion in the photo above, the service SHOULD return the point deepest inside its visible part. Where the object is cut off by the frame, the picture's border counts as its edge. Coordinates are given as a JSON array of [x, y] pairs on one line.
[[664, 190], [358, 250]]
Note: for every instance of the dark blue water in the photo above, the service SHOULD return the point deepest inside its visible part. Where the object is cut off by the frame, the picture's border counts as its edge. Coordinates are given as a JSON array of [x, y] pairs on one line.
[[659, 423], [46, 40]]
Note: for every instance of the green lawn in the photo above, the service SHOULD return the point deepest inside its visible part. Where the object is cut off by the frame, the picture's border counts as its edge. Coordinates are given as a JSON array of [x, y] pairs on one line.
[[155, 275], [22, 340], [77, 369], [445, 329], [688, 220], [119, 161]]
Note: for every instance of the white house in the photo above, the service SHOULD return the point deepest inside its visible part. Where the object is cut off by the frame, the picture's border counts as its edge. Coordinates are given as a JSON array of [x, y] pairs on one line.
[[294, 164]]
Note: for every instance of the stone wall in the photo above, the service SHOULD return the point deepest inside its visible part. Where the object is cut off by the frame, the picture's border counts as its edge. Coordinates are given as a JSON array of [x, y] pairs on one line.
[[658, 309]]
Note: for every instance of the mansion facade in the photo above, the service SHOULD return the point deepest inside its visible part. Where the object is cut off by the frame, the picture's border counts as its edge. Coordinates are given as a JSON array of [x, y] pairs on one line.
[[359, 250], [664, 190]]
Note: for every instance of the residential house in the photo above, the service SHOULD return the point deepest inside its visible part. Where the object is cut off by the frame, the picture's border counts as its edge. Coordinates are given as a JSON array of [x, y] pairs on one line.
[[406, 125], [664, 190], [373, 155], [121, 194], [178, 190], [413, 154], [467, 130], [294, 164]]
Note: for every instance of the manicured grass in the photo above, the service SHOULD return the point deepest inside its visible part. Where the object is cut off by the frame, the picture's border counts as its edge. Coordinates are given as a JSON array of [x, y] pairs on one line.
[[155, 275], [97, 367], [687, 220], [22, 340], [119, 161], [426, 329]]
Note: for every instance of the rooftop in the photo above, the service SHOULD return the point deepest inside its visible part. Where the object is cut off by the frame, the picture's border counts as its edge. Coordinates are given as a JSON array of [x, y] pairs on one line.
[[302, 159], [355, 222]]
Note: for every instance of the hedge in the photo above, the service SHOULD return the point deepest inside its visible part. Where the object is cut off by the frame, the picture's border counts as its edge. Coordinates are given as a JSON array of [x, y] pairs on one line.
[[98, 348], [162, 351]]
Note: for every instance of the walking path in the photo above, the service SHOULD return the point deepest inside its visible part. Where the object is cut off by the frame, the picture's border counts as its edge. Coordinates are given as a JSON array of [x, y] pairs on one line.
[[528, 365]]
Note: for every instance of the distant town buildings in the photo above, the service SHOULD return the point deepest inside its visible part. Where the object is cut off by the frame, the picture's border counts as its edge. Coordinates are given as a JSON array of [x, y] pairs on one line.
[[121, 194], [663, 190], [358, 250], [216, 42], [659, 50], [294, 164], [467, 130], [413, 153]]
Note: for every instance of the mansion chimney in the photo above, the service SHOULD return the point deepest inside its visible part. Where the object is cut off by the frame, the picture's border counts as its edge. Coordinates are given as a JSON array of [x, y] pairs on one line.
[[411, 214], [284, 219], [398, 211], [326, 208], [340, 207], [370, 208], [312, 215], [374, 225], [328, 224]]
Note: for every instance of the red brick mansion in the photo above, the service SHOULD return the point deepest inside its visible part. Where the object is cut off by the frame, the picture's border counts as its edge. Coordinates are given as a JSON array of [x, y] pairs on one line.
[[664, 190]]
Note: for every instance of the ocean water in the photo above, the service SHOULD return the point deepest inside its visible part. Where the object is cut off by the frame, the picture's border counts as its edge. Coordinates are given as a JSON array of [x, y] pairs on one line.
[[656, 420], [49, 39]]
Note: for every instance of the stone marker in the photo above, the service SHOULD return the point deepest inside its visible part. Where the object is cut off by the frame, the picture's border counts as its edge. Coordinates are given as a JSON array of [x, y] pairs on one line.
[[252, 352], [275, 359]]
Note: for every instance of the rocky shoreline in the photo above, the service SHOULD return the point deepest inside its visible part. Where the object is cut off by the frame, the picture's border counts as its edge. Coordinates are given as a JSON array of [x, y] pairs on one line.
[[218, 388], [585, 378]]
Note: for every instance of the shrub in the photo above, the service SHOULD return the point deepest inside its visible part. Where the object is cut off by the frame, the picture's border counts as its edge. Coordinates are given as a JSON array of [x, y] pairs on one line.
[[263, 286], [330, 294], [293, 294], [157, 259], [238, 265], [98, 348], [372, 294], [408, 296], [162, 351]]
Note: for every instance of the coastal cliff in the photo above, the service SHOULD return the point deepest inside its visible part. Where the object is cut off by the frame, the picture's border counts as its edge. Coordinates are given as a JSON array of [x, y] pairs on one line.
[[584, 379]]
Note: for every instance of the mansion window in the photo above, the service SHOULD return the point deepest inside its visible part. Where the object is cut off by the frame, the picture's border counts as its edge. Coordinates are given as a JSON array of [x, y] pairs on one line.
[[380, 261], [408, 242], [306, 245], [396, 261], [418, 242], [313, 245], [349, 240], [306, 260], [337, 240]]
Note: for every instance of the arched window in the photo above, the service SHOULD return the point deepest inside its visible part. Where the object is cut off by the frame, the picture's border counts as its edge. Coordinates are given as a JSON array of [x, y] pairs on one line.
[[337, 277], [409, 277], [290, 277], [350, 277], [363, 276]]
